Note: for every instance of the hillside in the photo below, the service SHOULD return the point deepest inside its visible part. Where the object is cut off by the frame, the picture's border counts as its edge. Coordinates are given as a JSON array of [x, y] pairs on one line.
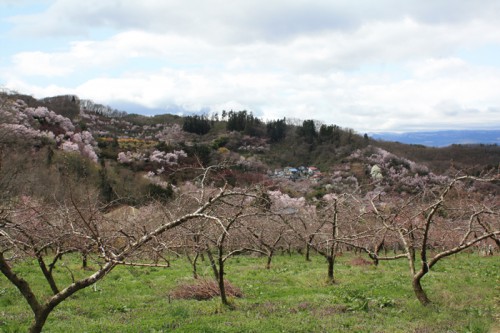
[[143, 155]]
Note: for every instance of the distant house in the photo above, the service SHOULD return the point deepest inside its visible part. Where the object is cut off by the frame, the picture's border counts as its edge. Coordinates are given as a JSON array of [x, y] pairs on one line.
[[298, 173], [278, 173], [289, 171], [312, 170]]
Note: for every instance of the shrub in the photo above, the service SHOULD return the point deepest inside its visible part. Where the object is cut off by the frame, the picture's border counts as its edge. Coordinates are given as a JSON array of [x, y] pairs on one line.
[[160, 193]]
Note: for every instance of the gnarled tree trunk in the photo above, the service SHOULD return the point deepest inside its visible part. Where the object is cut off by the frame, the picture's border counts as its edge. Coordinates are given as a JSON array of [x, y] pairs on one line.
[[419, 291]]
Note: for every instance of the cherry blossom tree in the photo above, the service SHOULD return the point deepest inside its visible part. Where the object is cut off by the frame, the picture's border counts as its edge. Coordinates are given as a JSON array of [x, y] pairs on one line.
[[43, 125], [396, 173], [171, 133]]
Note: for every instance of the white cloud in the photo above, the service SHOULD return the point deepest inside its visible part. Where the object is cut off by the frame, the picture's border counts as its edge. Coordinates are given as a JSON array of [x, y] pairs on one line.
[[360, 103], [370, 66], [40, 63], [439, 67], [242, 20], [375, 42]]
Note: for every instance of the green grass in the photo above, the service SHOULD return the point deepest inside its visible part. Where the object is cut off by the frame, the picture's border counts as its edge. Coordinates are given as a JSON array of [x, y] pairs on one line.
[[291, 297]]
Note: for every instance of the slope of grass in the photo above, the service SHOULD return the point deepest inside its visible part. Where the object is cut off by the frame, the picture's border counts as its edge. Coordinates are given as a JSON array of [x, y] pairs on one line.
[[291, 297]]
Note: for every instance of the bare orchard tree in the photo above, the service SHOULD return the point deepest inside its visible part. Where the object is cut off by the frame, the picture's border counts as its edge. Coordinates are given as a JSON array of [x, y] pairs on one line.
[[299, 217], [437, 223], [339, 216], [128, 222], [247, 226], [266, 234], [39, 230], [193, 244], [327, 244], [45, 231], [228, 236], [328, 224]]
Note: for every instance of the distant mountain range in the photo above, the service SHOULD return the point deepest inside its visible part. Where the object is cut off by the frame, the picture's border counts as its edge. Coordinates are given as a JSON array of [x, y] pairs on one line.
[[442, 138]]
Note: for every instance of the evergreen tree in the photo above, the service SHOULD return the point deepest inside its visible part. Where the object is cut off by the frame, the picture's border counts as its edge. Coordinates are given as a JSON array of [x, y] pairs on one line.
[[196, 124], [308, 131], [276, 130]]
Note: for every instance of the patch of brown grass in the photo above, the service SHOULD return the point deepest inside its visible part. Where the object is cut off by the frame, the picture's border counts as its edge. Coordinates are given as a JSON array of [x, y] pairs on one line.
[[358, 261], [303, 306], [204, 289], [330, 310]]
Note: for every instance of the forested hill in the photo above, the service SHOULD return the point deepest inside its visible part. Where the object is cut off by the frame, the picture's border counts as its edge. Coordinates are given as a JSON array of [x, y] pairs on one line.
[[239, 136]]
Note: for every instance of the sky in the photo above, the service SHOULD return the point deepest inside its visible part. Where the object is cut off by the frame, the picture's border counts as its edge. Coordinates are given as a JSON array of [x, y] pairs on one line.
[[373, 66]]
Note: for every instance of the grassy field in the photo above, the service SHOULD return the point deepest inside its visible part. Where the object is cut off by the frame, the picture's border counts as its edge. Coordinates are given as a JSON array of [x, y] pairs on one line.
[[291, 297]]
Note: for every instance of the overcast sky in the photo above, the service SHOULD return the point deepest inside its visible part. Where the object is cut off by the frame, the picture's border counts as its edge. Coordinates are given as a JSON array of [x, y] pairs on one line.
[[385, 65]]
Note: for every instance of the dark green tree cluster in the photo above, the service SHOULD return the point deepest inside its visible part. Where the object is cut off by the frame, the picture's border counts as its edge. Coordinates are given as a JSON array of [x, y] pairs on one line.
[[196, 124], [330, 134], [276, 130], [308, 131], [243, 121]]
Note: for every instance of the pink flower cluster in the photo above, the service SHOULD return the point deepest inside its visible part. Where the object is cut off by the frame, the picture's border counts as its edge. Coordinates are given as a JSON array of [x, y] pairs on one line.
[[406, 175], [42, 114], [167, 158], [156, 156], [282, 200], [38, 123], [82, 142], [170, 133], [129, 157]]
